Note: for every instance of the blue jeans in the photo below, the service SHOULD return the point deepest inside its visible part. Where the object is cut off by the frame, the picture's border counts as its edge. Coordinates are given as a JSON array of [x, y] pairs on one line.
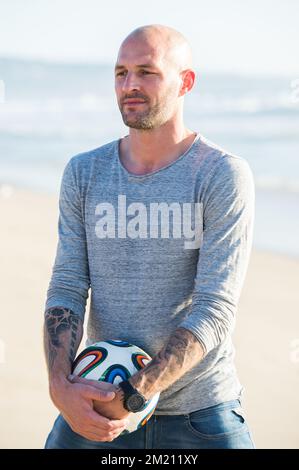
[[222, 426]]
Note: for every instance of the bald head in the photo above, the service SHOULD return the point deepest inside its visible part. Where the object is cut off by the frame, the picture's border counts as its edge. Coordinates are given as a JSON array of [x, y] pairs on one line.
[[172, 47], [154, 66]]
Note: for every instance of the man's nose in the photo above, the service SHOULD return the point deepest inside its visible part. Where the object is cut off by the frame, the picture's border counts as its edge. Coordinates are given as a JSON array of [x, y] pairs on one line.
[[130, 83]]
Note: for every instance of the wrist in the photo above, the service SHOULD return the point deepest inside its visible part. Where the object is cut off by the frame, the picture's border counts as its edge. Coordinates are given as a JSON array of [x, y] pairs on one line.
[[119, 392], [132, 400], [58, 384], [119, 396]]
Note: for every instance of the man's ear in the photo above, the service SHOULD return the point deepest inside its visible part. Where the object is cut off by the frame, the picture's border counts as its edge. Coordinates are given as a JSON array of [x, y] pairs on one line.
[[188, 79]]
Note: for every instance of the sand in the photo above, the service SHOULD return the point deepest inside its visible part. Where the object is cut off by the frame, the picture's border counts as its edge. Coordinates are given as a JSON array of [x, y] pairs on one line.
[[266, 336]]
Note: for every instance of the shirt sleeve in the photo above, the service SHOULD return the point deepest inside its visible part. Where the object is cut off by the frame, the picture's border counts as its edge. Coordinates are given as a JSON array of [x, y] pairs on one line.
[[70, 282], [228, 219]]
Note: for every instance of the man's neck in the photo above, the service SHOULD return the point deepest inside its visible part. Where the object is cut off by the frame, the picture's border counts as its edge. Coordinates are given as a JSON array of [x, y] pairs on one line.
[[143, 152]]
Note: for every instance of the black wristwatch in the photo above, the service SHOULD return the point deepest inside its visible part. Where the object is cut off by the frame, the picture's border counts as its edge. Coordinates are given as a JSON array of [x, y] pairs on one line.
[[133, 400]]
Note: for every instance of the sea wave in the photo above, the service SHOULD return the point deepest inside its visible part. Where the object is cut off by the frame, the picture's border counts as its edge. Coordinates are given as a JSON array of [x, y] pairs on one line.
[[196, 102]]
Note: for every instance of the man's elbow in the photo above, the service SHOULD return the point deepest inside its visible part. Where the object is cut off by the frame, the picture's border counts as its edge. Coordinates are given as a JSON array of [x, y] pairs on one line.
[[212, 323]]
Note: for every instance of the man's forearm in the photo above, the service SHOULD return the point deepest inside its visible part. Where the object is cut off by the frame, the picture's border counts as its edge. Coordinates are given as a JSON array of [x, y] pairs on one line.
[[181, 352], [63, 332]]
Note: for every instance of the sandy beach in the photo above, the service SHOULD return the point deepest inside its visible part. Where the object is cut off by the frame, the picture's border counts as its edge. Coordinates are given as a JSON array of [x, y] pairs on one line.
[[266, 336]]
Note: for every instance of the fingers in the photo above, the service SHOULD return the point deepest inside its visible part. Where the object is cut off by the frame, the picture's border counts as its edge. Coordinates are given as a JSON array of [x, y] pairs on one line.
[[100, 430], [106, 386], [96, 394], [96, 427], [106, 424], [86, 421], [94, 434], [106, 435]]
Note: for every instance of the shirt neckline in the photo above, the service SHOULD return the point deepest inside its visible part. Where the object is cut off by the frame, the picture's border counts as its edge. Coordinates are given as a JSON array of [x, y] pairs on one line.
[[133, 175]]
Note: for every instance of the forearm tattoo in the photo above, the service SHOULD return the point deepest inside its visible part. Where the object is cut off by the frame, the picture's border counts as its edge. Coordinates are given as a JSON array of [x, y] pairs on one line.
[[58, 321], [180, 354]]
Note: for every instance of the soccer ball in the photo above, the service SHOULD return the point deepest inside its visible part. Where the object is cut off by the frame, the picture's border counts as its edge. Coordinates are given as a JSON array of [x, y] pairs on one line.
[[114, 361]]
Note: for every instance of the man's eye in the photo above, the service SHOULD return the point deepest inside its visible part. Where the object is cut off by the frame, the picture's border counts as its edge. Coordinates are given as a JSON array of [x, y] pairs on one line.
[[142, 72], [120, 74]]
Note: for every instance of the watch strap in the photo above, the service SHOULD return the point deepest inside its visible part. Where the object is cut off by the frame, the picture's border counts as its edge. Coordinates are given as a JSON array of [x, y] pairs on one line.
[[127, 388], [129, 391]]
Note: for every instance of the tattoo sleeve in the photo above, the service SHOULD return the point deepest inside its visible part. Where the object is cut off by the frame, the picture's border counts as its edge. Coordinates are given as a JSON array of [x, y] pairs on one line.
[[181, 352], [62, 335]]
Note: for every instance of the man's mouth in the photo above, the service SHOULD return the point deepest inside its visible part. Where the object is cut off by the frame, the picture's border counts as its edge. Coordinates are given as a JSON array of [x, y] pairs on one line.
[[133, 102]]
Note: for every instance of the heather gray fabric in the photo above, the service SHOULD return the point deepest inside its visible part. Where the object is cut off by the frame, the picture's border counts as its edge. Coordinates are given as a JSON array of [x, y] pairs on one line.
[[143, 288]]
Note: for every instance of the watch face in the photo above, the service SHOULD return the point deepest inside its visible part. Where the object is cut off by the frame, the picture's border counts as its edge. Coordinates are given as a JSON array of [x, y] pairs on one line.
[[135, 402]]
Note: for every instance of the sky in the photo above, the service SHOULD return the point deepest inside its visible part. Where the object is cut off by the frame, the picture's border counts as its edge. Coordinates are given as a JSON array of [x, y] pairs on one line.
[[256, 36]]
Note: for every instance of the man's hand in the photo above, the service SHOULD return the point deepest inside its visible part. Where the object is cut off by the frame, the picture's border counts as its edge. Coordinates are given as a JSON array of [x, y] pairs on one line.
[[75, 402], [113, 409], [181, 352]]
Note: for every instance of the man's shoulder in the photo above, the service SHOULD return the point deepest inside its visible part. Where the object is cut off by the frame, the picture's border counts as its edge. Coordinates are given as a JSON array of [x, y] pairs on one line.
[[216, 159], [81, 167], [89, 156], [209, 149]]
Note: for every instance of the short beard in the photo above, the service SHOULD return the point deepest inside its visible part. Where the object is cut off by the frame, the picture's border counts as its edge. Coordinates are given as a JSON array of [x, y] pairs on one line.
[[147, 121]]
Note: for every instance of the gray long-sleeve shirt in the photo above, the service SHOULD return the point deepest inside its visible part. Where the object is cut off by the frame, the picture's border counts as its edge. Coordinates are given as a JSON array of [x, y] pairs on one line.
[[126, 238]]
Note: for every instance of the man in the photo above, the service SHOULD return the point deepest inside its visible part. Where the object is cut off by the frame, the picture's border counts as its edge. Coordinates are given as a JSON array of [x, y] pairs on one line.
[[174, 297]]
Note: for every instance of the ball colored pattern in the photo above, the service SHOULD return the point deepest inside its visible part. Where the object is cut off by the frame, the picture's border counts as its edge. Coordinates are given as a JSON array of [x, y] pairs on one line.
[[140, 360], [146, 418], [98, 356], [113, 372], [119, 343]]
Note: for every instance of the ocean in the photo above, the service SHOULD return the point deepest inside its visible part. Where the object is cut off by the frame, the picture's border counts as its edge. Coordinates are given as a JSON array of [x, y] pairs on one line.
[[50, 112]]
